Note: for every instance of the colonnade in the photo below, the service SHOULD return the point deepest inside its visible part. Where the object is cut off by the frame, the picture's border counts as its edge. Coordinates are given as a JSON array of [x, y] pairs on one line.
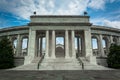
[[53, 45], [69, 36], [109, 39], [18, 51], [50, 46]]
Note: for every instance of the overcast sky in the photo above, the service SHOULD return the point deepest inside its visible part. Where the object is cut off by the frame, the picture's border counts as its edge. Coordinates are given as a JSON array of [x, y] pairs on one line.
[[101, 12]]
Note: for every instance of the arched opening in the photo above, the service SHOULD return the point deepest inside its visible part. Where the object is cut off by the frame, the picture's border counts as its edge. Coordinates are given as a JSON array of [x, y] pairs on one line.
[[15, 45], [24, 46], [95, 46], [115, 40], [59, 51], [105, 45]]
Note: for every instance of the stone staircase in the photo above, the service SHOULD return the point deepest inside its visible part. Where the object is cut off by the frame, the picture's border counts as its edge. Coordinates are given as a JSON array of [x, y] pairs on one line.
[[32, 66], [60, 64], [89, 66]]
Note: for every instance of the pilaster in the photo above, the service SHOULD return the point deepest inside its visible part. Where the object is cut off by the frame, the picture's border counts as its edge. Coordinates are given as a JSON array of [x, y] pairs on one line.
[[31, 47], [101, 45], [88, 47], [19, 46]]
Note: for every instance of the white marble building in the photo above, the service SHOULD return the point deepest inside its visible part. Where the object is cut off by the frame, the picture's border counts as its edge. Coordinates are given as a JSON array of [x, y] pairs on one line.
[[45, 29]]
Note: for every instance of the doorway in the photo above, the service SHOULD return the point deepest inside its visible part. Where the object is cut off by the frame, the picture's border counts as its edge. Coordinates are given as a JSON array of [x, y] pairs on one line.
[[59, 51]]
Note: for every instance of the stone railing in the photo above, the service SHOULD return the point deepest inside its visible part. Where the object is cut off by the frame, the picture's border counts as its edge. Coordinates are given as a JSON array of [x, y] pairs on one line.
[[81, 63], [41, 59]]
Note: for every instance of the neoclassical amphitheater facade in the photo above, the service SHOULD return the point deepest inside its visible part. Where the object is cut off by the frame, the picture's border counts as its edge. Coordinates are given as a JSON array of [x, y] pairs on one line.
[[56, 56]]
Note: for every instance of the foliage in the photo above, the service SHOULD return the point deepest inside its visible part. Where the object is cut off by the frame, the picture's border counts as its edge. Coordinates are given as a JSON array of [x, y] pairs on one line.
[[114, 57], [6, 54]]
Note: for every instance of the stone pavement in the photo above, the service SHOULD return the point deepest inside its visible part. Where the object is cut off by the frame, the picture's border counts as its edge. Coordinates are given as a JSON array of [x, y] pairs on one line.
[[60, 75]]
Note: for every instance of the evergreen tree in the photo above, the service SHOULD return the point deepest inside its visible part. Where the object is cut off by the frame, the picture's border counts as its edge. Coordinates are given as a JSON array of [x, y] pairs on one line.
[[114, 57], [6, 54]]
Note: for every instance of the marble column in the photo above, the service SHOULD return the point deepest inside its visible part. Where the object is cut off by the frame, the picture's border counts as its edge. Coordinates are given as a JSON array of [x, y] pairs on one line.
[[31, 47], [82, 46], [107, 46], [53, 44], [73, 44], [47, 45], [101, 45], [19, 46], [37, 49], [88, 47], [78, 46], [66, 44], [41, 46]]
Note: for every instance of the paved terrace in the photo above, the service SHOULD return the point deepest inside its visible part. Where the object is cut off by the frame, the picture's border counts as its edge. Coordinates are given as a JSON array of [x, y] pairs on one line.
[[60, 75]]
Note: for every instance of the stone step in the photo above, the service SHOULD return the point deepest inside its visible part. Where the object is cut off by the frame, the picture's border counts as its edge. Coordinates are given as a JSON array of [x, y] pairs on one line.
[[60, 64], [36, 60], [31, 66], [45, 64], [59, 67], [60, 60]]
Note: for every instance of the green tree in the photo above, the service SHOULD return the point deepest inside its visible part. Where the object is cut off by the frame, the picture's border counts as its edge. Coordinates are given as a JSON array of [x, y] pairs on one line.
[[113, 59], [6, 54]]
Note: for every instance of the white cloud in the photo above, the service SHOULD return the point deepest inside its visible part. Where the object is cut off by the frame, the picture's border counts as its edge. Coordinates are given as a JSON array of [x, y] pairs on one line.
[[115, 24], [22, 9], [106, 22], [97, 4], [25, 8]]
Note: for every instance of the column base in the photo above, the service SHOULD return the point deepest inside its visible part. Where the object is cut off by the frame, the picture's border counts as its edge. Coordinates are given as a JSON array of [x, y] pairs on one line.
[[28, 60], [92, 60], [53, 56], [67, 57]]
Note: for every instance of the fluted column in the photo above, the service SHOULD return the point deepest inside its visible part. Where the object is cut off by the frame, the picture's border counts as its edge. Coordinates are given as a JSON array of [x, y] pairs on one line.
[[53, 44], [47, 45], [37, 49], [78, 46], [66, 45], [73, 44], [82, 46], [41, 46], [19, 46]]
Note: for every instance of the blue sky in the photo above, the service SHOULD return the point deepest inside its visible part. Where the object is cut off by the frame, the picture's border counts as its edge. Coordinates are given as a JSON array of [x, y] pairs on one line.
[[101, 12], [17, 12]]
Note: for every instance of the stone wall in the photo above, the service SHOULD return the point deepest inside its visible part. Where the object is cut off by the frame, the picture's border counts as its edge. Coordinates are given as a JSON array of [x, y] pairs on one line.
[[102, 61], [19, 61]]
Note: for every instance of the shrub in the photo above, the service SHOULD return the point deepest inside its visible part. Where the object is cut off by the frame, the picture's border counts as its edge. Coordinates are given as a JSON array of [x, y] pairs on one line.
[[6, 54], [113, 59]]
